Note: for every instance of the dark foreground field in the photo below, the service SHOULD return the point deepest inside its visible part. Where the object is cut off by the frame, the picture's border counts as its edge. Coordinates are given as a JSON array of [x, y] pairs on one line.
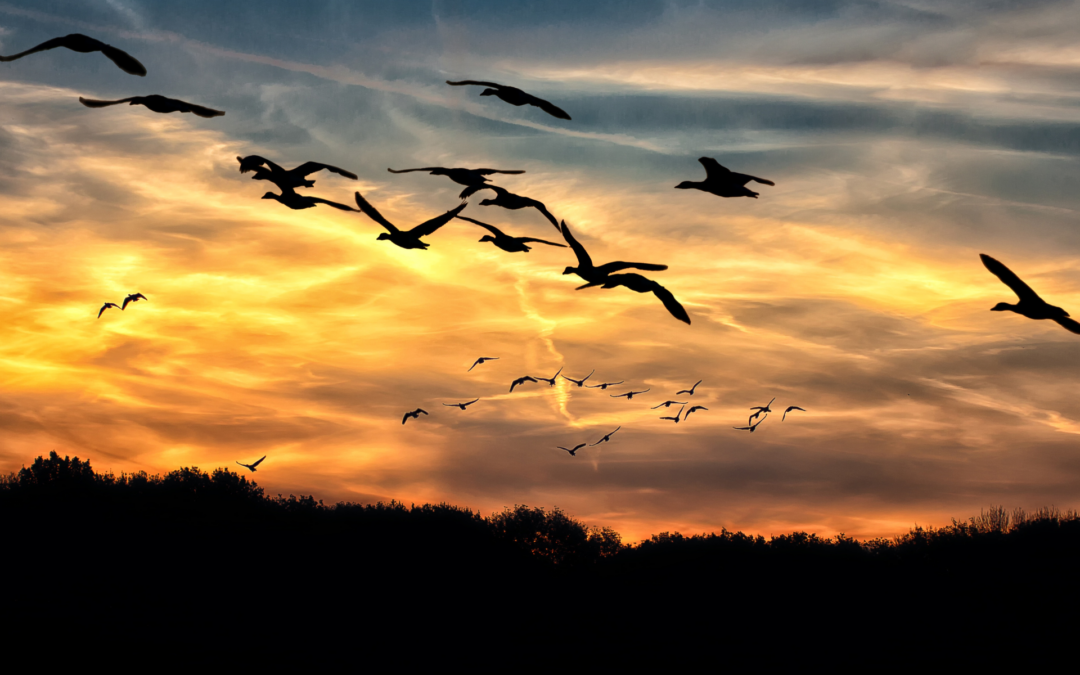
[[190, 563]]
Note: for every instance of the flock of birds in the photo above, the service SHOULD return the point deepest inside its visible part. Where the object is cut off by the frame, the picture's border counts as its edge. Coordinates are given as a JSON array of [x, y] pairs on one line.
[[719, 181]]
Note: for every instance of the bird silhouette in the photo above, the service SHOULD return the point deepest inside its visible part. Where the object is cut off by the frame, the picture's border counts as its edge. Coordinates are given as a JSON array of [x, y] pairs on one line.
[[573, 451], [77, 42], [752, 426], [697, 407], [472, 179], [550, 380], [509, 200], [514, 96], [286, 179], [597, 274], [481, 360], [676, 418], [607, 437], [630, 394], [134, 297], [1030, 305], [761, 409], [414, 414], [582, 380], [252, 466], [407, 238], [690, 390], [603, 386], [521, 380], [158, 104], [296, 201], [667, 404], [106, 306], [505, 241], [789, 409], [461, 405], [722, 182], [640, 284]]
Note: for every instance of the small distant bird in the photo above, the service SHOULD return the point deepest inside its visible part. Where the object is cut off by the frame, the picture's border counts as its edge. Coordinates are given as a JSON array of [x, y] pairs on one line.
[[481, 360], [514, 96], [134, 297], [106, 306], [297, 201], [630, 394], [761, 409], [252, 466], [505, 241], [723, 182], [550, 380], [690, 390], [751, 427], [472, 179], [667, 404], [606, 438], [676, 418], [603, 386], [697, 407], [77, 42], [1030, 305], [582, 380], [461, 405], [509, 200], [414, 414], [521, 380], [158, 104], [789, 409], [573, 452], [287, 179], [406, 238]]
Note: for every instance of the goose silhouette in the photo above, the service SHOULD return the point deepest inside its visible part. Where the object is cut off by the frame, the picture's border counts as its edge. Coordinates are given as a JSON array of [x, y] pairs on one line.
[[676, 418], [789, 409], [414, 414], [1030, 305], [723, 182], [631, 394], [697, 407], [287, 179], [751, 427], [77, 42], [472, 179], [521, 380], [690, 390], [134, 297], [573, 451], [461, 405], [549, 380], [607, 437], [297, 202], [252, 466], [406, 238], [106, 306], [509, 200], [156, 103], [513, 96], [582, 380], [505, 241]]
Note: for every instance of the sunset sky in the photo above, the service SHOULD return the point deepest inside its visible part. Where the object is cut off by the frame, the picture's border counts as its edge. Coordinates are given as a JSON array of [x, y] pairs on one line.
[[904, 139]]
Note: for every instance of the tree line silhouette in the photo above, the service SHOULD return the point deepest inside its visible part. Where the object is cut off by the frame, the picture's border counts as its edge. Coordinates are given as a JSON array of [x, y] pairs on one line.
[[154, 555]]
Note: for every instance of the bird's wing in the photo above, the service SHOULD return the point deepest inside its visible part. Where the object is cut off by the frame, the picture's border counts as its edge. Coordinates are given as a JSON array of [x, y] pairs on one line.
[[140, 296], [530, 240], [244, 465], [471, 190], [616, 429], [490, 228], [94, 103], [547, 214], [48, 44], [102, 310], [1068, 324], [582, 255], [1009, 279], [311, 167], [336, 205], [426, 168], [713, 169], [643, 391], [472, 401], [424, 229], [549, 107], [372, 213], [478, 82], [127, 63], [405, 417], [421, 410], [671, 303], [451, 405], [475, 364], [260, 460], [741, 428], [618, 395], [126, 301], [202, 111], [612, 267], [488, 172], [759, 180]]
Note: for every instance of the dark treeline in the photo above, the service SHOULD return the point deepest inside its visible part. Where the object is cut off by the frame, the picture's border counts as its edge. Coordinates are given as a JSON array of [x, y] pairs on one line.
[[154, 558]]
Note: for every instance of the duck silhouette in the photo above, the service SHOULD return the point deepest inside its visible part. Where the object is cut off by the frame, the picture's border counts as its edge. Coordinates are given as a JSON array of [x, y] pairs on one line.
[[513, 96], [158, 104], [521, 380], [697, 407], [134, 297], [549, 380], [480, 361], [606, 438], [723, 182], [573, 451], [505, 241], [789, 409], [631, 394], [582, 380], [252, 466], [407, 238], [509, 200], [287, 179], [603, 386], [472, 179], [676, 418], [461, 405], [106, 306], [667, 404], [414, 414], [298, 202], [690, 390], [77, 42], [1030, 305]]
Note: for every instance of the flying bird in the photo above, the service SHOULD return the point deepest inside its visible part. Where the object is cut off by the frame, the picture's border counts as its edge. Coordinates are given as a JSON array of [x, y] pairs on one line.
[[697, 407], [505, 241], [630, 394], [297, 201], [414, 414], [509, 200], [761, 409], [1030, 305], [252, 466], [581, 381], [606, 438], [676, 418], [287, 179], [472, 179], [667, 404], [407, 238], [550, 380], [106, 306], [514, 96], [722, 182], [789, 409], [603, 386], [134, 297], [690, 390], [481, 360], [77, 42], [751, 427], [573, 452], [640, 284], [521, 380], [461, 405], [158, 104]]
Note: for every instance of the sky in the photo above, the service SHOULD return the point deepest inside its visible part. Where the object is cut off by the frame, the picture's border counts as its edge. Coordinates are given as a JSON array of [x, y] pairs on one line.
[[904, 138]]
